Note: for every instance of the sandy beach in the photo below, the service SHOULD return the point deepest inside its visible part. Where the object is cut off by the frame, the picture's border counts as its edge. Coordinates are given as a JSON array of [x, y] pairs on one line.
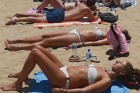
[[13, 61]]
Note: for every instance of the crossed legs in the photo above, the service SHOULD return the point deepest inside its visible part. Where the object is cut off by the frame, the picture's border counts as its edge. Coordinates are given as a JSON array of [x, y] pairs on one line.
[[48, 63]]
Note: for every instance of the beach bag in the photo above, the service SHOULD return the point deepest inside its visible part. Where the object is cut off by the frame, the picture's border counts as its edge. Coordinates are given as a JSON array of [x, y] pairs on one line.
[[108, 17], [117, 41]]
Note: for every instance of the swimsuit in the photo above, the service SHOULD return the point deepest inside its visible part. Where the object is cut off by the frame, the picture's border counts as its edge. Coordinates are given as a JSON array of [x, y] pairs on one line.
[[92, 74], [99, 34], [64, 70], [74, 31], [55, 16]]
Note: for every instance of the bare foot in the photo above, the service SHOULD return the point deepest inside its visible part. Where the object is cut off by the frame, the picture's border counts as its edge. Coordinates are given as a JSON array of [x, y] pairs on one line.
[[11, 87], [7, 41], [12, 21], [14, 75], [10, 47]]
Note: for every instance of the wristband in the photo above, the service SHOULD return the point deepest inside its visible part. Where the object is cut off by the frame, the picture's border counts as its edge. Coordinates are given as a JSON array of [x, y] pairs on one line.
[[80, 44]]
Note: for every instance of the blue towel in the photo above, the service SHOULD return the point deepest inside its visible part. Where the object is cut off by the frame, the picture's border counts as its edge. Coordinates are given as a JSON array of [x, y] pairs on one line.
[[117, 87], [42, 85]]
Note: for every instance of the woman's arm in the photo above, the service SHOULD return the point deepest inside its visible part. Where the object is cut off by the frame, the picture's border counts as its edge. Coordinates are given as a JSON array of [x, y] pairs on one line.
[[96, 43], [90, 15], [99, 86]]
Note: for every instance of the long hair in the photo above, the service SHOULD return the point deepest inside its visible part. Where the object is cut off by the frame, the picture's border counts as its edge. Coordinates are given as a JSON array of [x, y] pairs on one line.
[[90, 2], [127, 36], [131, 79]]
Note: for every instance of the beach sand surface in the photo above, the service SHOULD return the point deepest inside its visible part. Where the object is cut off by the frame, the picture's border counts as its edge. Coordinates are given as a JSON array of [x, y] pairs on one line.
[[13, 61]]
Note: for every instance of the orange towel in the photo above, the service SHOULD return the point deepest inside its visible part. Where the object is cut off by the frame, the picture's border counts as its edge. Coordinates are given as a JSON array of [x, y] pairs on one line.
[[66, 23]]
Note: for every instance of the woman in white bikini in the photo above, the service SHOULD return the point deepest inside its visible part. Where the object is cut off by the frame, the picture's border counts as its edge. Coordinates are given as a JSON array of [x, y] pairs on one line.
[[93, 37], [74, 79]]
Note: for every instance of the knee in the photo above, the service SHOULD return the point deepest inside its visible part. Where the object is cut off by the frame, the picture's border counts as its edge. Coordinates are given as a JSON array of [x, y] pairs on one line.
[[35, 49], [44, 36], [46, 41], [37, 46]]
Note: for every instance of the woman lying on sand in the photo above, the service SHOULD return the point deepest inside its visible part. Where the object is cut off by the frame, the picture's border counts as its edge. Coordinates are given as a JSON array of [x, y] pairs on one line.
[[63, 4], [57, 15], [74, 79], [93, 37]]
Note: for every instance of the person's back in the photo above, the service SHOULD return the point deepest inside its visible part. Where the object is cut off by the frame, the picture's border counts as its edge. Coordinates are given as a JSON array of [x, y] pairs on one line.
[[75, 13], [81, 10]]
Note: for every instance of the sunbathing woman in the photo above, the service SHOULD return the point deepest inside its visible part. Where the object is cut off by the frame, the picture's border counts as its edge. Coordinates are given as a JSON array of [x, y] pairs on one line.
[[62, 4], [93, 37], [74, 79], [57, 15]]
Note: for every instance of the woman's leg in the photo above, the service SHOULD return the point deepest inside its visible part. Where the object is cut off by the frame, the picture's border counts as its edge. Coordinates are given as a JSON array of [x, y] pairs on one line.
[[55, 3], [44, 60], [63, 40], [38, 38], [28, 15], [54, 59]]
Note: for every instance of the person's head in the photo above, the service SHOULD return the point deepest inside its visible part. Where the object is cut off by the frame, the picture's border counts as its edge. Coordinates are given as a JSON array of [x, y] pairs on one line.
[[126, 33], [126, 71], [89, 3]]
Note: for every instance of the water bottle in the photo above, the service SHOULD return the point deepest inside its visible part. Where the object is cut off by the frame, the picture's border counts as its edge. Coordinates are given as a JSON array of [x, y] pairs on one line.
[[88, 57], [74, 49]]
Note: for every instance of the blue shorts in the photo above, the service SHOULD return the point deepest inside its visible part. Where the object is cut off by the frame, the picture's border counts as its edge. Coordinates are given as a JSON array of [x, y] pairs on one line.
[[55, 16]]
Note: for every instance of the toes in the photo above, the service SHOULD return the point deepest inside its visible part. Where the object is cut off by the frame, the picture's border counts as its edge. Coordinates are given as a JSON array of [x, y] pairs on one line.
[[7, 49]]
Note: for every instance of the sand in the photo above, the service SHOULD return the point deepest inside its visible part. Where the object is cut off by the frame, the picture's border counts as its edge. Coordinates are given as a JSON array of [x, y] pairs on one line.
[[13, 61]]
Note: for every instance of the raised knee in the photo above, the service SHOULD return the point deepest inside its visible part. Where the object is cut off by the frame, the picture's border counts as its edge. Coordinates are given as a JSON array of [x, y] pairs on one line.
[[35, 49], [37, 46]]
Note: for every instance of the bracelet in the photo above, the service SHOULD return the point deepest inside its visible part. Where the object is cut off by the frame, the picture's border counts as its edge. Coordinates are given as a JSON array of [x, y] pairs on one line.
[[80, 44]]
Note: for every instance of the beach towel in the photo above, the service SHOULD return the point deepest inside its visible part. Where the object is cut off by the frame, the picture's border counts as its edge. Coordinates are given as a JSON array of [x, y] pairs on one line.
[[117, 87], [42, 85], [123, 5], [66, 23]]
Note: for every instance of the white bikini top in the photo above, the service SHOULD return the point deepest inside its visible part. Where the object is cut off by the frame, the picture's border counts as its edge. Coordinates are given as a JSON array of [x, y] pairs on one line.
[[92, 74]]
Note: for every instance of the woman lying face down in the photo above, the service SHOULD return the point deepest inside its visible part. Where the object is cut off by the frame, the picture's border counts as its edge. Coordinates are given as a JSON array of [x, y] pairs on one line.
[[93, 37], [82, 79]]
